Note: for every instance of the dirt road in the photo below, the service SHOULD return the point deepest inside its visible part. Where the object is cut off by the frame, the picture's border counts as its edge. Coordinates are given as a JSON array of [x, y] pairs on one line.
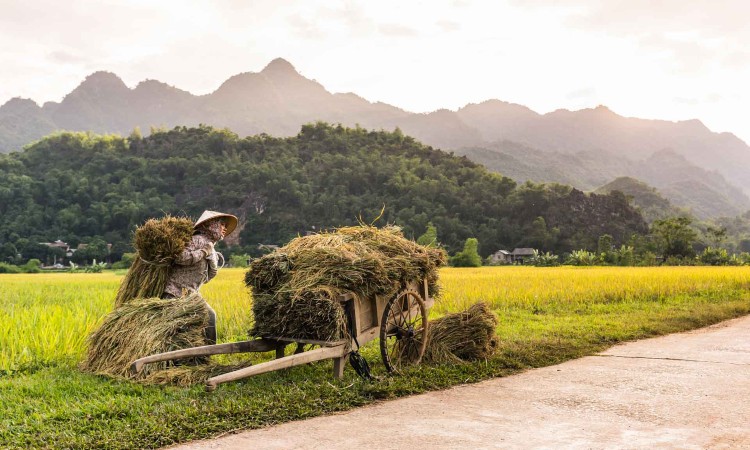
[[686, 391]]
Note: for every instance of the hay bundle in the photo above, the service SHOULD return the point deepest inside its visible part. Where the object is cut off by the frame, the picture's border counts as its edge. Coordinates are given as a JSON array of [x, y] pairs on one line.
[[144, 327], [295, 288], [464, 336], [189, 375], [157, 243]]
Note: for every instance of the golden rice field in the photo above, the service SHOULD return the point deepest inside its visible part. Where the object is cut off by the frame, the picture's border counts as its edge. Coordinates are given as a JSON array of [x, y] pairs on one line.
[[45, 318]]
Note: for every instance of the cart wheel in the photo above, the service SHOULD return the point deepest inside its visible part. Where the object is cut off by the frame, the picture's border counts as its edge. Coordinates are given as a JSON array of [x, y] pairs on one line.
[[403, 331]]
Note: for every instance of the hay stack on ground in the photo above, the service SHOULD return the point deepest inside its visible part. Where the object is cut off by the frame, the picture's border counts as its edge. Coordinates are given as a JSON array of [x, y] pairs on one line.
[[189, 375], [465, 336], [157, 243], [144, 327], [295, 288]]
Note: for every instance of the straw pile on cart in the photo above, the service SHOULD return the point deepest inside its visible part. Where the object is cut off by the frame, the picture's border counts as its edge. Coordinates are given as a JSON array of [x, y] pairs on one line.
[[295, 288]]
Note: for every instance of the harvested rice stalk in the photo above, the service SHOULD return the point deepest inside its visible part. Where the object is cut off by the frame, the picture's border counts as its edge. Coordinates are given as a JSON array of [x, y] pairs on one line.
[[293, 287], [144, 327], [313, 314], [157, 242], [189, 375], [268, 272], [465, 336]]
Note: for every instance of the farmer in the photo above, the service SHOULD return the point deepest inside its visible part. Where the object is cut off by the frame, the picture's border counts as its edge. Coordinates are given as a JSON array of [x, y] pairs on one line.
[[198, 263]]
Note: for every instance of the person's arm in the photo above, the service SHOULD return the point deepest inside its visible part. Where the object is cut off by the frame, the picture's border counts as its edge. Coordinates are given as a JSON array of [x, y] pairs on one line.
[[198, 249], [213, 265]]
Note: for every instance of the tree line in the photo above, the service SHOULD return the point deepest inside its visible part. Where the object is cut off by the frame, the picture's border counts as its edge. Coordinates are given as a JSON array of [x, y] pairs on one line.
[[84, 188]]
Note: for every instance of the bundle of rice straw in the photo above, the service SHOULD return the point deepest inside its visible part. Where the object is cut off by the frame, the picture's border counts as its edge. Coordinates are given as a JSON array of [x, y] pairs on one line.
[[465, 336], [295, 288], [157, 243], [189, 375], [144, 327]]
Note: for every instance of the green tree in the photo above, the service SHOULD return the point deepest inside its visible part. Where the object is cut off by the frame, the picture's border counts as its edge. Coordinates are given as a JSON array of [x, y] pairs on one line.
[[581, 258], [675, 237], [625, 256], [8, 253], [77, 186], [538, 236], [32, 266], [96, 249], [469, 256], [429, 238], [604, 249], [125, 262], [239, 260], [716, 235], [714, 257]]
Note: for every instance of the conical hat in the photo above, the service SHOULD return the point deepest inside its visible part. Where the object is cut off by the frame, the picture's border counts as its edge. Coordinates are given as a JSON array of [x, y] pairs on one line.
[[231, 220]]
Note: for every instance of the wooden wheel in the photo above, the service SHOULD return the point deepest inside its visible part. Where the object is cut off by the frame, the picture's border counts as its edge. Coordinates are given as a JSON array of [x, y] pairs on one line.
[[403, 331]]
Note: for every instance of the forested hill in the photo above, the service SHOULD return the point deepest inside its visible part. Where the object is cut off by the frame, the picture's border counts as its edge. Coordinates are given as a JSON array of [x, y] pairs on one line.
[[278, 100], [77, 187]]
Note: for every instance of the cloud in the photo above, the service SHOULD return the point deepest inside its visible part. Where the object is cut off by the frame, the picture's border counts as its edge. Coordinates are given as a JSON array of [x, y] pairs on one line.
[[448, 25], [710, 98], [395, 30], [584, 93], [692, 33], [683, 54], [60, 56], [305, 28], [737, 60]]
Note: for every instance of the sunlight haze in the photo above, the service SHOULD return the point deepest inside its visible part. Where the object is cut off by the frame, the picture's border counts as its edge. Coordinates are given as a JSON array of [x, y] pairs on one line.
[[672, 60]]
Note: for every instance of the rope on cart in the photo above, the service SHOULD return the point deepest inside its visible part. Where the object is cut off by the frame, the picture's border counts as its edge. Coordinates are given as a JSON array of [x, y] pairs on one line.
[[358, 362]]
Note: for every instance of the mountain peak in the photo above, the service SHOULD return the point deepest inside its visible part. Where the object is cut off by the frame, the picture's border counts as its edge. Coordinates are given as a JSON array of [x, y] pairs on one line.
[[103, 77], [18, 104], [280, 66], [100, 83]]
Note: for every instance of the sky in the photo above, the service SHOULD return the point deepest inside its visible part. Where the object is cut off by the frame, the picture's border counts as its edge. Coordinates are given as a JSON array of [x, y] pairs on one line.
[[654, 59]]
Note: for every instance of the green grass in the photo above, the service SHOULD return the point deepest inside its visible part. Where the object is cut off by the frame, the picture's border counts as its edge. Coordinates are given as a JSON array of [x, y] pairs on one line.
[[547, 316]]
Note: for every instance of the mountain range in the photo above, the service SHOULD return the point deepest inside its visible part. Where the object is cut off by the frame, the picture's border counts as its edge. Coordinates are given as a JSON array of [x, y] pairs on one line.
[[691, 165]]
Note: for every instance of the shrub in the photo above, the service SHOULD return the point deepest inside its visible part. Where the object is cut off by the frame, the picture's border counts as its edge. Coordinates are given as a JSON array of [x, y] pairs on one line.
[[95, 268], [545, 259], [125, 262], [648, 259], [625, 256], [239, 260], [581, 258], [9, 268], [680, 261], [714, 257], [743, 258], [469, 257], [32, 266]]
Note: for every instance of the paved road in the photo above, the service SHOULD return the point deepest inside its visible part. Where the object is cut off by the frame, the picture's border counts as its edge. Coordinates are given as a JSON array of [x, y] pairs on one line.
[[685, 391]]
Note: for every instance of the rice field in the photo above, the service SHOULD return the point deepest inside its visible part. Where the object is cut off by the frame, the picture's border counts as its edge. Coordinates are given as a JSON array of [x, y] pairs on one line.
[[547, 315], [45, 318]]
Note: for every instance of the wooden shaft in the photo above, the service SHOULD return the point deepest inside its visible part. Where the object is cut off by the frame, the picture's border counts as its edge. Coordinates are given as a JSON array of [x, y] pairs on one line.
[[338, 366], [256, 345], [277, 364]]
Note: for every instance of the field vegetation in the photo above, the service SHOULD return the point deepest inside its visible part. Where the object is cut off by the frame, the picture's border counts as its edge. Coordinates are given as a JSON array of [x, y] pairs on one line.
[[547, 315]]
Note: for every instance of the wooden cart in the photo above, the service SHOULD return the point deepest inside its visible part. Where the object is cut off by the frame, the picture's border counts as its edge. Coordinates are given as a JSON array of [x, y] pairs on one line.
[[400, 322]]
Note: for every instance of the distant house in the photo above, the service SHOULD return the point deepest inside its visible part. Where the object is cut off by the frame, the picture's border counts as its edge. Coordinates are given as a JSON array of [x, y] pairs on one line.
[[61, 245], [57, 244], [501, 257], [521, 255]]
